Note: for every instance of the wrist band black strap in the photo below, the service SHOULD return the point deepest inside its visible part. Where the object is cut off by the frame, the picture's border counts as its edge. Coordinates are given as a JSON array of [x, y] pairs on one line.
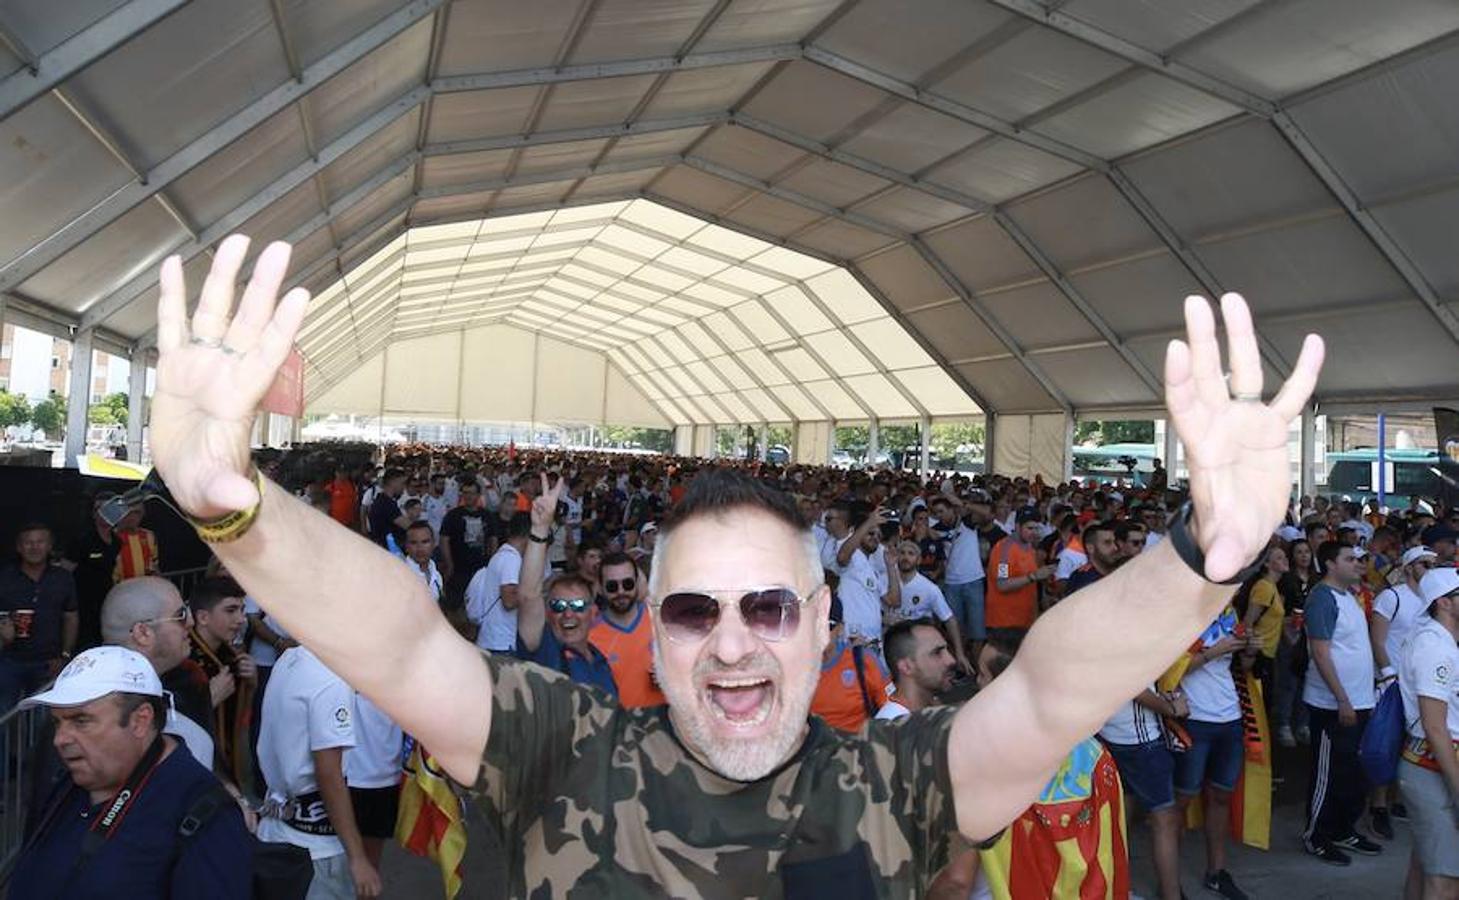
[[1191, 554], [539, 540]]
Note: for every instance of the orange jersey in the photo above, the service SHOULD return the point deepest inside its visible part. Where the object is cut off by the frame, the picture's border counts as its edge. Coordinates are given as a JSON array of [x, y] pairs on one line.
[[1019, 607], [838, 697], [630, 655], [344, 502]]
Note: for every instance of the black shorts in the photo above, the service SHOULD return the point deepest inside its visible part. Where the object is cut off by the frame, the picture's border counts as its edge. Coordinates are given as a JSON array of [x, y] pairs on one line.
[[375, 810]]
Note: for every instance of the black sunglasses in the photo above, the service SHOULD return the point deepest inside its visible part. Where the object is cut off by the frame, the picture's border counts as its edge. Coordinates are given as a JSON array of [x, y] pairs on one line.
[[771, 614], [626, 584], [563, 604]]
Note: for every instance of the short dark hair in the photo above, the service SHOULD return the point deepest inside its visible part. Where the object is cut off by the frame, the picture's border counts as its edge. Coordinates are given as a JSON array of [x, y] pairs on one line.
[[519, 525], [588, 545], [1096, 527], [616, 558], [212, 591], [130, 703], [420, 524], [717, 491], [1327, 552], [900, 643], [1004, 642], [392, 474], [34, 525], [1123, 529]]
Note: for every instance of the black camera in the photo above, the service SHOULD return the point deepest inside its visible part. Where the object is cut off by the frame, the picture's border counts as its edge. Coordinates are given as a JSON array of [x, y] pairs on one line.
[[892, 527]]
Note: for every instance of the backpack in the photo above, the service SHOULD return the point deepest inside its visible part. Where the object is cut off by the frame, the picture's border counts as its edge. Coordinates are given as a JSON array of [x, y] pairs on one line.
[[1382, 740], [280, 871], [858, 656]]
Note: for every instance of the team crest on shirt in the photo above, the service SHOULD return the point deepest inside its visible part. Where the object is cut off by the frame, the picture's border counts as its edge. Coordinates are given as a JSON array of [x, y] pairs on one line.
[[848, 677], [342, 717], [1441, 674]]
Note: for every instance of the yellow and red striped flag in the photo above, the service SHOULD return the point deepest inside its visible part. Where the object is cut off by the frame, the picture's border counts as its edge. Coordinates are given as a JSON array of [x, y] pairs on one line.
[[431, 821]]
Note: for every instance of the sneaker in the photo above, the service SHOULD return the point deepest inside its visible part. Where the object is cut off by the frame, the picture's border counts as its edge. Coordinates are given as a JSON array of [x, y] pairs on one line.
[[1399, 812], [1221, 883], [1356, 843], [1304, 736], [1381, 822], [1327, 853], [1285, 736]]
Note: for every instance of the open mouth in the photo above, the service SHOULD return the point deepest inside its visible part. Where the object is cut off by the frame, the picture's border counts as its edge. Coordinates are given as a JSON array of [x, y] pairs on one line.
[[742, 702]]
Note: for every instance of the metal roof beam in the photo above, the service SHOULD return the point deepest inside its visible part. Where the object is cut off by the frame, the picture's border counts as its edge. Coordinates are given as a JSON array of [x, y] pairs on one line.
[[971, 301], [51, 68], [570, 135], [547, 177], [1003, 220], [68, 236], [114, 303], [615, 69]]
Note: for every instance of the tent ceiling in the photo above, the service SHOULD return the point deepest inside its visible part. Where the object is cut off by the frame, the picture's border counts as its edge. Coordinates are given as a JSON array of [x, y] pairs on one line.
[[1026, 188]]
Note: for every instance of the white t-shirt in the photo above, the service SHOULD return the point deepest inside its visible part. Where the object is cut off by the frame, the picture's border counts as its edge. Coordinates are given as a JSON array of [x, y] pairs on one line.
[[263, 653], [860, 601], [1352, 655], [1430, 668], [198, 742], [435, 509], [1402, 608], [964, 562], [306, 707], [892, 710], [1210, 690], [1070, 561], [921, 598], [430, 575], [484, 600], [1132, 724], [374, 760], [574, 518]]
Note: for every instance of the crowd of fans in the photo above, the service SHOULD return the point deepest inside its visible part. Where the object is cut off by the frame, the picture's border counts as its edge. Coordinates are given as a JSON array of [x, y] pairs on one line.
[[548, 555]]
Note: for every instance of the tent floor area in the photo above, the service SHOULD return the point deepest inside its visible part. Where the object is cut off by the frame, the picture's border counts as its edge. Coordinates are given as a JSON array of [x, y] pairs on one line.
[[1283, 871]]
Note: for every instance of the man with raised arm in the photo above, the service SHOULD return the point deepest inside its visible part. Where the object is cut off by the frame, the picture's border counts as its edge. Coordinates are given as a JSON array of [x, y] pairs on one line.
[[735, 791]]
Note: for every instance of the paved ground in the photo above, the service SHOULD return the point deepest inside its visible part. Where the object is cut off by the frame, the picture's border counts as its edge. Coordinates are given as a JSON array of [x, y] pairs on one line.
[[1283, 872]]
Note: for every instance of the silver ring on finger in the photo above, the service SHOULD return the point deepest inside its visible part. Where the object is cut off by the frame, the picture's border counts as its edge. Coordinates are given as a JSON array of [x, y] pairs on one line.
[[231, 351], [210, 343], [1246, 398]]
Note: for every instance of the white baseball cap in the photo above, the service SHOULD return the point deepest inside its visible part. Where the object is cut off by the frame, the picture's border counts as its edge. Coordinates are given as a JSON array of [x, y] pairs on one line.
[[1438, 583], [96, 673], [1414, 554], [1289, 533]]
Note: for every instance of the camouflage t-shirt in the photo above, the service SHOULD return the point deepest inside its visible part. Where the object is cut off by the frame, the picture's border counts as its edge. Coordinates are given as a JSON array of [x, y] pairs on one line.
[[592, 800]]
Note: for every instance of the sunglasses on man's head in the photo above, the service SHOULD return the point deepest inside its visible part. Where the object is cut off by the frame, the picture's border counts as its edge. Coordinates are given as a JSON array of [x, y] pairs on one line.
[[615, 585], [563, 604], [771, 614]]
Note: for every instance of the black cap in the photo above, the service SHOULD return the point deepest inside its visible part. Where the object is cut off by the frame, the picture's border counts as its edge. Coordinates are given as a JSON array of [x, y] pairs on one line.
[[1028, 514]]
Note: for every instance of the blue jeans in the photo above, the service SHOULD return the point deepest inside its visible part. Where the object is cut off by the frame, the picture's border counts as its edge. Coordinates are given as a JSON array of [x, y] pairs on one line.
[[1288, 710], [966, 601], [1215, 757]]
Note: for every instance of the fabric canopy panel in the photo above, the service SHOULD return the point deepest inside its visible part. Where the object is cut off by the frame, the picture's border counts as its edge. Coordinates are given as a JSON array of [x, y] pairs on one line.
[[1026, 189], [493, 373], [711, 326]]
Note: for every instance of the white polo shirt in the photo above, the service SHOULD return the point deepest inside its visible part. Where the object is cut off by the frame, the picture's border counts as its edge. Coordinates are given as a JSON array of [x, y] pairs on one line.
[[374, 760], [484, 601], [306, 707], [923, 599], [1401, 607], [1430, 668]]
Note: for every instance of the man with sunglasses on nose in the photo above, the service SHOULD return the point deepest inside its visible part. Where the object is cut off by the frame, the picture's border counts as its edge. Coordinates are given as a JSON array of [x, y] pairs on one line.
[[733, 789], [624, 632], [555, 620]]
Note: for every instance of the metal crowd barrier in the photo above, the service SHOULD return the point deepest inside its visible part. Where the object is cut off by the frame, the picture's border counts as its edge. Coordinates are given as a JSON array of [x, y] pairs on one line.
[[185, 579], [18, 731]]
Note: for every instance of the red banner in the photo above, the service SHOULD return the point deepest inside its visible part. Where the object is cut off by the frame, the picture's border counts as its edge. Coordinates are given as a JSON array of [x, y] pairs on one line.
[[286, 396]]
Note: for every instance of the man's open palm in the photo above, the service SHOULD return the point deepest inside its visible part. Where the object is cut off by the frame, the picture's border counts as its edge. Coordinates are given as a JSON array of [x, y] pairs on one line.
[[1235, 445], [212, 373]]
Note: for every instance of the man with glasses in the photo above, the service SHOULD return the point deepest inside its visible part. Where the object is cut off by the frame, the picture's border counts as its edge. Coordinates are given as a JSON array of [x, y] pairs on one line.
[[555, 620], [733, 789], [624, 633]]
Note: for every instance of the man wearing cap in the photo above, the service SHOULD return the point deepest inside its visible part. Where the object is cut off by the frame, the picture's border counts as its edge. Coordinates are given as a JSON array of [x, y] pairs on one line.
[[1440, 538], [115, 826], [1428, 773]]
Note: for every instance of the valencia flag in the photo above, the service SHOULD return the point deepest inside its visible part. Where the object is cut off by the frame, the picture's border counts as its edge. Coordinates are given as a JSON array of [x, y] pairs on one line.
[[431, 821]]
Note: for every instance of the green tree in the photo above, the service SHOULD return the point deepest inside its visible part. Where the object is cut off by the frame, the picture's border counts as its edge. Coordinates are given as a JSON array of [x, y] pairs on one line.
[[1115, 431], [117, 403], [14, 409], [101, 414], [49, 415], [853, 438], [947, 437]]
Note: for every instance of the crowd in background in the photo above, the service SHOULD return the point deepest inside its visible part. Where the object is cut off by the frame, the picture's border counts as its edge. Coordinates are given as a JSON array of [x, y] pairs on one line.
[[547, 554]]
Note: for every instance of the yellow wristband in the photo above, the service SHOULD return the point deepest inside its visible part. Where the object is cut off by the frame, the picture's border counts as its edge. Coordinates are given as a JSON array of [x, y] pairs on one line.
[[232, 526]]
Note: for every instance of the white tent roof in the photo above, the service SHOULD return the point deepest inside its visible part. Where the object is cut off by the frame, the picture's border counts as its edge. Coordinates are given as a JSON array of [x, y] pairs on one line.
[[1027, 188]]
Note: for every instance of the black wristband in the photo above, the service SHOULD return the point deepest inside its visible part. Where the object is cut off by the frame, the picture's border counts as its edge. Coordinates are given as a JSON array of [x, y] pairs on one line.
[[539, 540], [1191, 554]]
